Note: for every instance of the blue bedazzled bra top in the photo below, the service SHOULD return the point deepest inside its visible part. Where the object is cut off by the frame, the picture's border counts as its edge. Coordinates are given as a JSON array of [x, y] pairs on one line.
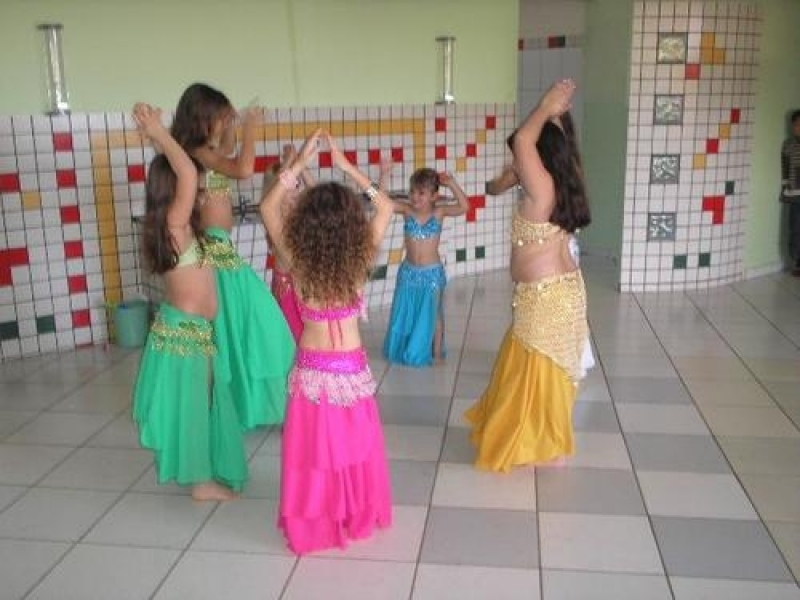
[[413, 229]]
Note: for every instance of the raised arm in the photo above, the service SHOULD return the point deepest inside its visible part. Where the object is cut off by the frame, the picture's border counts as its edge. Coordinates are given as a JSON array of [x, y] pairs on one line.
[[288, 155], [282, 186], [503, 182], [384, 206], [241, 165], [148, 119], [532, 174], [462, 202]]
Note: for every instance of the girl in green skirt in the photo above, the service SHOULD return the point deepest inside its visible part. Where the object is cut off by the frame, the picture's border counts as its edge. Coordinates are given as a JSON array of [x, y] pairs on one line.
[[255, 345], [182, 401]]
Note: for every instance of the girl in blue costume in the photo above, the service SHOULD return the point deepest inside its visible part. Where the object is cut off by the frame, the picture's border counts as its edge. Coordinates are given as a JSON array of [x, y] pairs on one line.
[[183, 415], [415, 335], [256, 347]]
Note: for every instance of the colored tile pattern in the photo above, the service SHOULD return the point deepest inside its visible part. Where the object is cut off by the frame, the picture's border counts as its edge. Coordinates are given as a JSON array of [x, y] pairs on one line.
[[72, 248], [692, 96]]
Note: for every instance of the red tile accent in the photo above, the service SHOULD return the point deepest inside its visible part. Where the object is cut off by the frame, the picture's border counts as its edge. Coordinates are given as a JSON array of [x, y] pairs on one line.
[[9, 182], [716, 206], [374, 157], [70, 214], [77, 284], [556, 41], [62, 142], [472, 150], [736, 115], [11, 257], [440, 152], [712, 146], [270, 261], [73, 249], [136, 173], [66, 178], [520, 44], [475, 202], [81, 318], [491, 122], [397, 154], [440, 124], [692, 71], [325, 159], [352, 156], [264, 163]]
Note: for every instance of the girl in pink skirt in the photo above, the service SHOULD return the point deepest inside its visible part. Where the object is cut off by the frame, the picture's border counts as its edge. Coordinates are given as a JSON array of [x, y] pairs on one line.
[[334, 471]]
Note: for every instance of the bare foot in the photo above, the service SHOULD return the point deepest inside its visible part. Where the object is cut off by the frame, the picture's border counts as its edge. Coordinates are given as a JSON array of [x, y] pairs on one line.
[[212, 492]]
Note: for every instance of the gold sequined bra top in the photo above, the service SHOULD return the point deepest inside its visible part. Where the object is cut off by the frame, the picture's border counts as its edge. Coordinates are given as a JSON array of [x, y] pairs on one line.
[[527, 232], [217, 187]]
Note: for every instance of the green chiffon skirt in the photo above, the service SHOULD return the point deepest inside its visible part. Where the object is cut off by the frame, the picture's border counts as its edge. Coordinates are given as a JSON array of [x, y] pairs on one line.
[[255, 345], [183, 406]]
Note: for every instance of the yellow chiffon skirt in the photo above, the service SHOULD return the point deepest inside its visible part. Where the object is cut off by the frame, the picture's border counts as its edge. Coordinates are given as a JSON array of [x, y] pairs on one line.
[[525, 415]]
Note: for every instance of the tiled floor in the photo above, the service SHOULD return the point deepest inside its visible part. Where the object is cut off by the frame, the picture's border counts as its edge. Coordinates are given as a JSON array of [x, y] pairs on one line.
[[686, 482]]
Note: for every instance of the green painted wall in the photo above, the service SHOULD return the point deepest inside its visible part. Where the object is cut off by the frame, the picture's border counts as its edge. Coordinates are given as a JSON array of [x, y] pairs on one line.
[[606, 59], [778, 93], [286, 52]]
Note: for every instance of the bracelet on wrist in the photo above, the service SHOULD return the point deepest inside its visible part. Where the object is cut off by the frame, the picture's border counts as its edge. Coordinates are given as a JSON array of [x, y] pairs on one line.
[[372, 191]]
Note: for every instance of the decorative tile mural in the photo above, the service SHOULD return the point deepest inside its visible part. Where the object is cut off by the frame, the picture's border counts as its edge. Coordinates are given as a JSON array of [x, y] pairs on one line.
[[692, 96], [71, 187]]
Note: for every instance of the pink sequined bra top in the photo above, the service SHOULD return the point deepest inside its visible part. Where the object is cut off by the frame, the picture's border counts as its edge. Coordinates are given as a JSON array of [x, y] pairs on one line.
[[332, 314]]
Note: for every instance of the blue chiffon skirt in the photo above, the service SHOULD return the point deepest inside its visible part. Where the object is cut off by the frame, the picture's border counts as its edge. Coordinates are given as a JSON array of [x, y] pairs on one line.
[[416, 310]]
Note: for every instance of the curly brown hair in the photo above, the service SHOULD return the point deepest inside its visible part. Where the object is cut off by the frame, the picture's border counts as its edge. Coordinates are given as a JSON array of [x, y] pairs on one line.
[[328, 237]]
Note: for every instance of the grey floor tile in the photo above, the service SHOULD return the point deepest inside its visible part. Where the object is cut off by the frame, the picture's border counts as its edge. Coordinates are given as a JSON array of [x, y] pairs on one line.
[[710, 495], [787, 537], [215, 575], [68, 429], [24, 465], [719, 548], [776, 497], [644, 390], [54, 515], [457, 446], [151, 520], [100, 469], [12, 420], [9, 493], [245, 525], [489, 538], [464, 582], [580, 490], [672, 452], [354, 580], [576, 585], [412, 481], [595, 416], [762, 456], [397, 409], [24, 562], [127, 573], [694, 588]]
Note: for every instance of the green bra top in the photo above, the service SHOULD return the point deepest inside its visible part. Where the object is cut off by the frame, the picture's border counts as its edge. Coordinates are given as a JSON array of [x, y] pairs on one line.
[[191, 256]]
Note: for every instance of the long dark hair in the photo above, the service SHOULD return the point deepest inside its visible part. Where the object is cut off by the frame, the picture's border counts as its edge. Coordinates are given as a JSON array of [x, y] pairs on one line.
[[558, 151], [329, 240], [158, 243], [199, 107]]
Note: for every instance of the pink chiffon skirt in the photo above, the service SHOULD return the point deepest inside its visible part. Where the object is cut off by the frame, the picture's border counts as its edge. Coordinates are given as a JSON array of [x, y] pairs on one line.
[[284, 292], [334, 472]]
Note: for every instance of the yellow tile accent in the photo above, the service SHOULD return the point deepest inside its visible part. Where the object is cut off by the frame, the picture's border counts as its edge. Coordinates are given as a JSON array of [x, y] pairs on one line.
[[419, 156], [699, 161], [336, 128], [725, 131], [102, 176], [461, 164], [284, 131], [101, 157], [385, 127], [480, 136], [270, 131], [362, 127], [719, 56], [395, 256], [708, 40], [133, 138], [348, 128], [419, 125], [98, 140], [374, 127], [398, 126], [103, 194], [707, 56], [105, 212], [116, 139], [31, 200]]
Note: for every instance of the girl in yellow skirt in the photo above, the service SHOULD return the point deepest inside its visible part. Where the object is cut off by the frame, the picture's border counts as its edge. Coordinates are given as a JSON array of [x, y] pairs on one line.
[[525, 414]]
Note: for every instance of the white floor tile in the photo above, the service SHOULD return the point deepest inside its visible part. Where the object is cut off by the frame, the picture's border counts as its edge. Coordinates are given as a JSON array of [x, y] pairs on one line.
[[462, 582]]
